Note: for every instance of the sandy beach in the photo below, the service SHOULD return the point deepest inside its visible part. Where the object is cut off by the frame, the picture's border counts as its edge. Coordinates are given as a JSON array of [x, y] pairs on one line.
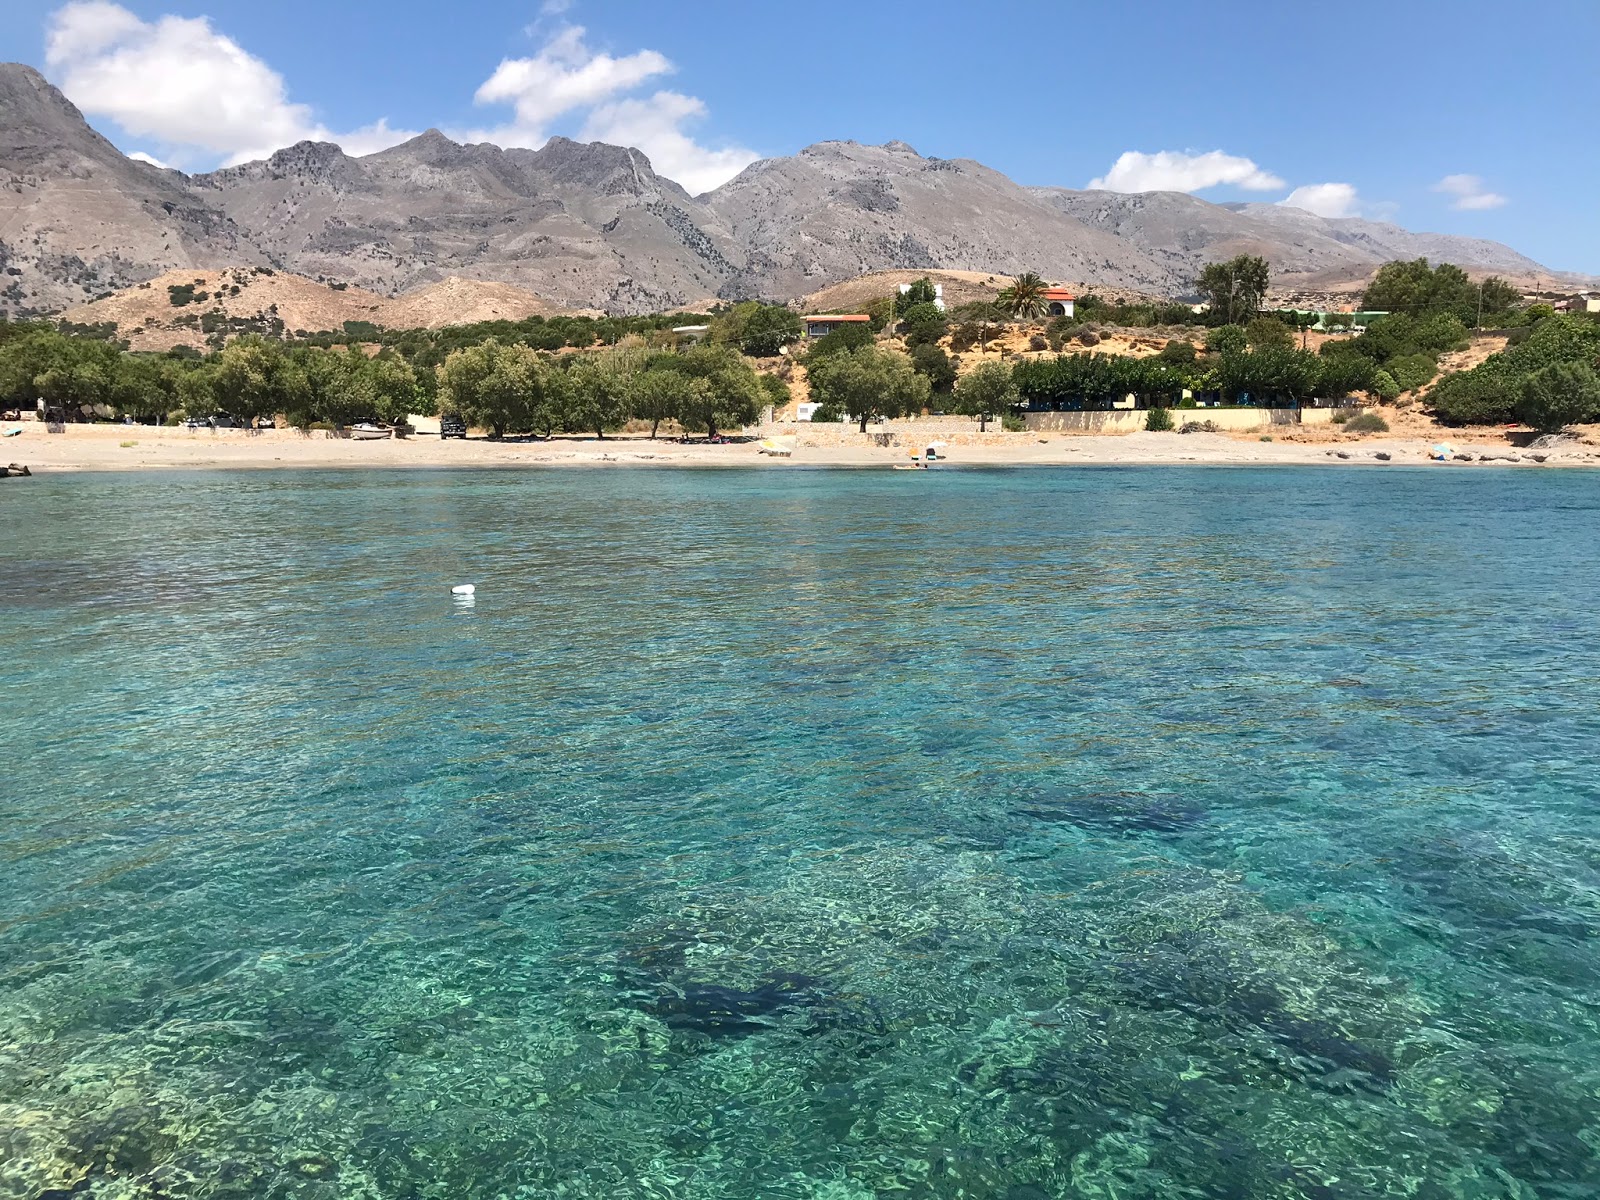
[[134, 448]]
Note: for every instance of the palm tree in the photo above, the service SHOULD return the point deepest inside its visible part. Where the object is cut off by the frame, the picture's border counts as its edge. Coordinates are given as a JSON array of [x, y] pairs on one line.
[[1025, 296]]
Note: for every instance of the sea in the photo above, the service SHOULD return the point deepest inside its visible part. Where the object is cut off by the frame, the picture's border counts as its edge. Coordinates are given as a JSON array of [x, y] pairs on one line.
[[999, 834]]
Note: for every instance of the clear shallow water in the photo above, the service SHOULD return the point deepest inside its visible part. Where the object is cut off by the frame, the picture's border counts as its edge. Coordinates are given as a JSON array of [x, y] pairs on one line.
[[1116, 833]]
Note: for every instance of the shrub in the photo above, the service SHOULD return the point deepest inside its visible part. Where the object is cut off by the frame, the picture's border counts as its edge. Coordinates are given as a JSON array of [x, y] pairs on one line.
[[1367, 422], [1384, 386], [1012, 423], [827, 414], [1200, 427], [1178, 352], [1158, 420], [1559, 395], [1038, 343], [965, 336], [1226, 339], [1412, 371], [1088, 338]]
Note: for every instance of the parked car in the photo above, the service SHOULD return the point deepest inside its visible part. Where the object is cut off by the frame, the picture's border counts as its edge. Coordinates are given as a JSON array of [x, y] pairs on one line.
[[266, 423], [197, 423], [452, 427]]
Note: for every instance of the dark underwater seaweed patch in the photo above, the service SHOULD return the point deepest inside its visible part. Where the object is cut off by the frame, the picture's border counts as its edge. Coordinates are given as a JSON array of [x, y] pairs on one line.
[[1116, 812], [1210, 986]]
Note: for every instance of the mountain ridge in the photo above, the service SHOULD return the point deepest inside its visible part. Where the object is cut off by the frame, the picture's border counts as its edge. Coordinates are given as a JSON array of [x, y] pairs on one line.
[[591, 225]]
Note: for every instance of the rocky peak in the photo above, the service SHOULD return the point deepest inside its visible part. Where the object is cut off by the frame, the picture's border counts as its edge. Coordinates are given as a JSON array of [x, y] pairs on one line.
[[39, 125], [27, 96], [608, 169], [431, 148]]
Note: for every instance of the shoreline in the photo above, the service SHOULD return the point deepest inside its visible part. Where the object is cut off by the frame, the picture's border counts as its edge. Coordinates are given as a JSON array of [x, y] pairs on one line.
[[122, 448]]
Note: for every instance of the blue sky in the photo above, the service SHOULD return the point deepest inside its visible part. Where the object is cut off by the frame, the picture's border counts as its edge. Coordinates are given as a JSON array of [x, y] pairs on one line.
[[1449, 115]]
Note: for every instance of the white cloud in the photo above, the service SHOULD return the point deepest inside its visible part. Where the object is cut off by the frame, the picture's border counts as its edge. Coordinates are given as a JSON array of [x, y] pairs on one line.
[[1468, 193], [655, 126], [178, 81], [554, 8], [1325, 199], [564, 76], [567, 77], [141, 156], [1183, 171]]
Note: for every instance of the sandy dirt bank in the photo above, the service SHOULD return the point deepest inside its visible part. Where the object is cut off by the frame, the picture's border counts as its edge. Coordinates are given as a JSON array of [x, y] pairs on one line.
[[131, 448]]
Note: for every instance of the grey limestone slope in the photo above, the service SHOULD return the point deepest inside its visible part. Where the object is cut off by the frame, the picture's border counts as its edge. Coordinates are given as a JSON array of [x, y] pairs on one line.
[[839, 209], [78, 218], [581, 225], [1185, 233]]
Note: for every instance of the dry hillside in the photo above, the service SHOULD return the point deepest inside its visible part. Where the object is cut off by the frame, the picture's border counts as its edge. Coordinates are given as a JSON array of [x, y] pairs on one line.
[[960, 287], [245, 299]]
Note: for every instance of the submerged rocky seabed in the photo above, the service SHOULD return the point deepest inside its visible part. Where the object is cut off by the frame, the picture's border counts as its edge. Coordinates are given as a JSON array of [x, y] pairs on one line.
[[675, 870]]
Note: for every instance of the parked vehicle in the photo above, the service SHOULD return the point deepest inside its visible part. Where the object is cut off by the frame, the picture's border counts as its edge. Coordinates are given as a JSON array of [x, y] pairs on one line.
[[452, 427]]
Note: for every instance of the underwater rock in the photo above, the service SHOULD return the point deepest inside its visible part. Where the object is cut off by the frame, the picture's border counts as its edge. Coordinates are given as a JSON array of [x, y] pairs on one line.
[[719, 1010], [1218, 988], [1117, 812]]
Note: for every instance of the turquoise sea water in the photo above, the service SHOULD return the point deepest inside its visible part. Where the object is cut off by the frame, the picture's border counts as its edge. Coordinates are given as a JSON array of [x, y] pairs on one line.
[[992, 834]]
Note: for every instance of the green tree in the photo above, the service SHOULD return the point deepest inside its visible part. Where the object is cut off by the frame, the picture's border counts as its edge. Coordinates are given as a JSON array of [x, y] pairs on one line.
[[146, 386], [1416, 289], [924, 324], [598, 395], [256, 377], [729, 392], [1562, 394], [935, 365], [198, 390], [1178, 352], [988, 389], [1227, 339], [869, 384], [760, 330], [395, 394], [1268, 333], [662, 394], [1235, 289], [1025, 297], [841, 339], [920, 292], [501, 388]]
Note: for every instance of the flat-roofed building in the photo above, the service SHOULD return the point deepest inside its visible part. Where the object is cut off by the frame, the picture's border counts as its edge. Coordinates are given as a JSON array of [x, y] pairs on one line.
[[822, 326]]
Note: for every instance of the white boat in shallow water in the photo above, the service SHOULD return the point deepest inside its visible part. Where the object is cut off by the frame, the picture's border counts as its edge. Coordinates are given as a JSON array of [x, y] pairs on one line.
[[366, 432]]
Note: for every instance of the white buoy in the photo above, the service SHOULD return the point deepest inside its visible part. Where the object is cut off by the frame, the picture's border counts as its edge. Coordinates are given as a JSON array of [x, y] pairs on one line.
[[463, 589]]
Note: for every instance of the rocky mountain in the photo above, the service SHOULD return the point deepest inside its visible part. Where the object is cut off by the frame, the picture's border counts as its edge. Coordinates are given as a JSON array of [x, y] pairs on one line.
[[581, 225], [78, 218], [593, 226], [838, 209], [1183, 232]]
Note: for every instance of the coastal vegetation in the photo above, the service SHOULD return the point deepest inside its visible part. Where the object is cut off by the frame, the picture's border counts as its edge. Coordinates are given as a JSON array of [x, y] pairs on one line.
[[591, 374]]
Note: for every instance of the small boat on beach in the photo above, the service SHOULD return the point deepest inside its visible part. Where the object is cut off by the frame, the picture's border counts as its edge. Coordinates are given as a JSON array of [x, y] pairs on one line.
[[367, 432]]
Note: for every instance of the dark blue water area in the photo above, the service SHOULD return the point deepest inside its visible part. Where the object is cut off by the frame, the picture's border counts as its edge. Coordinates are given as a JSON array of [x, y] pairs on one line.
[[818, 834]]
